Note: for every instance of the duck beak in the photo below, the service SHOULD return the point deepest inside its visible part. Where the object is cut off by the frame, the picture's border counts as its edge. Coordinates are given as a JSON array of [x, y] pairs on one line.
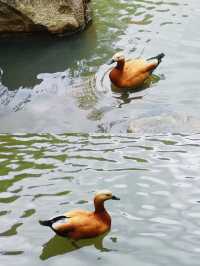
[[110, 62], [115, 198]]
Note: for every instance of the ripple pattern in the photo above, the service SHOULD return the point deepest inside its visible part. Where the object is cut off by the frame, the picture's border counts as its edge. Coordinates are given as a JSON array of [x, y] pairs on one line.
[[157, 179]]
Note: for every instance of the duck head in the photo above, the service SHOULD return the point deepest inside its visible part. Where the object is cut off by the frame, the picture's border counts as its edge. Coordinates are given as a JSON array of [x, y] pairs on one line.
[[100, 198], [118, 57], [104, 195]]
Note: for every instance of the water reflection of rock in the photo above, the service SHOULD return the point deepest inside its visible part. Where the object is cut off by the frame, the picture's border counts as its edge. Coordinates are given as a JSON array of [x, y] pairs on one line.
[[60, 245], [22, 59]]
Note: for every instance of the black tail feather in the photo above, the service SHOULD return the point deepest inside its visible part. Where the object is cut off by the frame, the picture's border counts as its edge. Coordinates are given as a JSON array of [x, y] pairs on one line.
[[51, 221], [159, 57], [46, 223]]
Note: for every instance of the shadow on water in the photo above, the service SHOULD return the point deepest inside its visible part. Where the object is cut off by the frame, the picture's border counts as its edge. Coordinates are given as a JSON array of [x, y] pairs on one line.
[[42, 54], [59, 245]]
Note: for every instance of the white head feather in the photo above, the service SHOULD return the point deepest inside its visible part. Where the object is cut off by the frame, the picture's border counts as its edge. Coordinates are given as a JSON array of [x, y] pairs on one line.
[[104, 191], [118, 57]]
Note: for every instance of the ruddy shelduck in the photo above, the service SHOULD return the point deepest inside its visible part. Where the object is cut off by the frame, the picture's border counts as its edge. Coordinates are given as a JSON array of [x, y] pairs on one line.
[[132, 73], [79, 224]]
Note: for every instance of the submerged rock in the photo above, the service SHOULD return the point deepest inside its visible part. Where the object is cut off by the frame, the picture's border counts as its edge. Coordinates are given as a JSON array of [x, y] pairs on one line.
[[165, 123], [55, 16]]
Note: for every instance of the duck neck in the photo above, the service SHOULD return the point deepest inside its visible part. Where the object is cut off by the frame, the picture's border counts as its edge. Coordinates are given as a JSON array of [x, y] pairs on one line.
[[99, 206], [120, 64]]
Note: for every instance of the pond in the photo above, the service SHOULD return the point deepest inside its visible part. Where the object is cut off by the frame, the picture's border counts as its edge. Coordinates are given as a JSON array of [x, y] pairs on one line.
[[65, 134], [46, 79], [156, 222]]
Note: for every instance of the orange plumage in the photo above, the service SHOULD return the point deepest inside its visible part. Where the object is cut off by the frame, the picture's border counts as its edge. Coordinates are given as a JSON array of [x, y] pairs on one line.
[[79, 224], [131, 74]]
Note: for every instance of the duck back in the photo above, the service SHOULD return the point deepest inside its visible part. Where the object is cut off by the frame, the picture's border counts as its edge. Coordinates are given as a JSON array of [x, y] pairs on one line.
[[133, 73]]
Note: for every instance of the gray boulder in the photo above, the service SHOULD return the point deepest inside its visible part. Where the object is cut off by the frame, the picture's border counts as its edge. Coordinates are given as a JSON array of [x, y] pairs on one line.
[[55, 16], [165, 123]]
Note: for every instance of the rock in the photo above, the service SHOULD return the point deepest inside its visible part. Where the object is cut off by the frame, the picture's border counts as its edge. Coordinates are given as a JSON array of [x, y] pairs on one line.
[[178, 122], [55, 16]]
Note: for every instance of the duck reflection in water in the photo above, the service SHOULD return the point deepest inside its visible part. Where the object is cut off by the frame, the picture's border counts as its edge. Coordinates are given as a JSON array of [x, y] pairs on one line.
[[60, 245], [129, 95]]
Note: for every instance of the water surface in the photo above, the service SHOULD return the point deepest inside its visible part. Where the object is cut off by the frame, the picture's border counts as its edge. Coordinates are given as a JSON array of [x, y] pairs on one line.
[[77, 83], [61, 85], [156, 222]]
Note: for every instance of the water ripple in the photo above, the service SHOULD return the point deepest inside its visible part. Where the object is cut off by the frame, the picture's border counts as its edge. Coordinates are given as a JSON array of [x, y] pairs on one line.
[[36, 102], [157, 179]]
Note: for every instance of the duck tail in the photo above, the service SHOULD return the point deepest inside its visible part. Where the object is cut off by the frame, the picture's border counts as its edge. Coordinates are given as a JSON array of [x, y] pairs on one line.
[[46, 222], [52, 221], [158, 57]]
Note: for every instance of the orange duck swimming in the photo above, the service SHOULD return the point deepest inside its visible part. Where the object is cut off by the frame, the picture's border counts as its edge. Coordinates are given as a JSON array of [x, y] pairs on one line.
[[79, 224], [132, 73]]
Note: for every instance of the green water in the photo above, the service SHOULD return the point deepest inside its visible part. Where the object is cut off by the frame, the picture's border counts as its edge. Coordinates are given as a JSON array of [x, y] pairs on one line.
[[60, 86], [156, 222]]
